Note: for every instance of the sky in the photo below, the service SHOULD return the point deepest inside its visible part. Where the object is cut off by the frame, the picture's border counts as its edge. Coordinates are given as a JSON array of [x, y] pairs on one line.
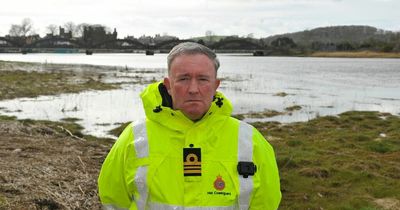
[[192, 18]]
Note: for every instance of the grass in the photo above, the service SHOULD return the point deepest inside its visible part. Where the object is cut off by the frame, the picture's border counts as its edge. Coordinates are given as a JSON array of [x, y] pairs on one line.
[[268, 113], [356, 54], [46, 127], [264, 114], [293, 108], [71, 119], [281, 94], [337, 162], [22, 79], [16, 84], [118, 130], [331, 162], [7, 118]]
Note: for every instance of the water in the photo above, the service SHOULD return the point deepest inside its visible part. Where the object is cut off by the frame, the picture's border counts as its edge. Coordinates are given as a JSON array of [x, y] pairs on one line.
[[321, 86]]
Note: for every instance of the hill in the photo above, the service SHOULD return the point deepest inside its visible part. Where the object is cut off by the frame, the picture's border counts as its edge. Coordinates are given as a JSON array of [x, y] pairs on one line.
[[338, 34]]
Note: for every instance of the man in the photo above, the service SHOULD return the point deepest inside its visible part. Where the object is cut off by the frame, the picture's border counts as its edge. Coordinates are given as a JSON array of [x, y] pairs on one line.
[[189, 153]]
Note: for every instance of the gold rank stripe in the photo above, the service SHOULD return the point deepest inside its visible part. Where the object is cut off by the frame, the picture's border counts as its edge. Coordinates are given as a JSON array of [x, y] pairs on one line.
[[191, 164], [191, 171], [192, 167]]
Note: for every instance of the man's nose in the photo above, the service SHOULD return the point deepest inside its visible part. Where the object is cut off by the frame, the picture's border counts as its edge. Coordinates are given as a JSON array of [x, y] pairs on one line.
[[193, 86]]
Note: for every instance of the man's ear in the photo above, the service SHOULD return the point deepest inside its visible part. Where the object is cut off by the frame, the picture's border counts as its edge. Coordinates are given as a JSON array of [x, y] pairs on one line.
[[167, 84], [217, 82]]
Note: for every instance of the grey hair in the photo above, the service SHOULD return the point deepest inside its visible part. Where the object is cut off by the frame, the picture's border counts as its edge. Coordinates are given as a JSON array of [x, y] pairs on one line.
[[192, 48]]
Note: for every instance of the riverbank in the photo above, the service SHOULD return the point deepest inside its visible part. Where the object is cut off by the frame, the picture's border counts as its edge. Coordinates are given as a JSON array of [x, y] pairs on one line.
[[349, 161], [358, 54], [44, 165], [345, 162], [22, 79]]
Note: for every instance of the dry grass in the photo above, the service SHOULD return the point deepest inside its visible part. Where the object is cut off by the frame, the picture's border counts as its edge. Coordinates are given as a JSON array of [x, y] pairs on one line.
[[43, 168]]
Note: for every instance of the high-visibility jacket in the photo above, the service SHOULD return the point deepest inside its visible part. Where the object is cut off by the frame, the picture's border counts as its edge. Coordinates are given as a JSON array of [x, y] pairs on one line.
[[168, 161]]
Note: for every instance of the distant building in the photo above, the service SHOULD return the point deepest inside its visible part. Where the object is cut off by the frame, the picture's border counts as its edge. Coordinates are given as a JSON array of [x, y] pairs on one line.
[[149, 40], [130, 37], [95, 34], [159, 39], [65, 35], [31, 38]]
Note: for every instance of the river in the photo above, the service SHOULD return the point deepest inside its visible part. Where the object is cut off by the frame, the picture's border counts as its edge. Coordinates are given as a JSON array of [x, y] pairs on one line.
[[321, 86]]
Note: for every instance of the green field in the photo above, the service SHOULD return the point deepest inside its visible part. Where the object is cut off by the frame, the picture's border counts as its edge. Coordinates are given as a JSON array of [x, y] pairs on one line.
[[347, 162]]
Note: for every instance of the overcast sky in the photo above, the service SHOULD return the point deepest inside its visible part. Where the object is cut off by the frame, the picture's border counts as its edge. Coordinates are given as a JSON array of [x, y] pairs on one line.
[[191, 18]]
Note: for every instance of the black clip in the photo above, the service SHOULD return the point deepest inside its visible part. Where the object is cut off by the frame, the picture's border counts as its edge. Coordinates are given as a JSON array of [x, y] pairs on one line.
[[246, 169], [157, 109]]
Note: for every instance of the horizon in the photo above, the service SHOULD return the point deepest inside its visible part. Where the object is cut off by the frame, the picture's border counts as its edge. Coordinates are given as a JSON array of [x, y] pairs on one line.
[[192, 18], [217, 35]]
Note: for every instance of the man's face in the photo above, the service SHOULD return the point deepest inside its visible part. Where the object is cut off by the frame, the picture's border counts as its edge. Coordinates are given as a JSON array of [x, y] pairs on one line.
[[192, 84]]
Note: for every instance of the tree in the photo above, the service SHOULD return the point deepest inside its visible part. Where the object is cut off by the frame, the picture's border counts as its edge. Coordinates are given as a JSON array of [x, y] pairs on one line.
[[26, 26], [52, 29], [71, 27], [283, 42], [209, 35], [250, 35], [79, 29], [23, 29], [15, 30]]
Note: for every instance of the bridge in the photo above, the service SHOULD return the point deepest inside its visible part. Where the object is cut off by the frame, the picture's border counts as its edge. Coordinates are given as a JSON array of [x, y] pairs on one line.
[[127, 45]]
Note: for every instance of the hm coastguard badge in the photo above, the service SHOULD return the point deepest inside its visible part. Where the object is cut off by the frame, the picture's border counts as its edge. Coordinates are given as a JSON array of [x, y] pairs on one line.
[[219, 186], [219, 183]]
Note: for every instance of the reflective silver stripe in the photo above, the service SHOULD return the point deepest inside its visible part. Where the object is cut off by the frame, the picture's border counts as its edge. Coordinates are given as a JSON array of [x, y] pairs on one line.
[[142, 150], [112, 207], [245, 153], [141, 141], [160, 206], [141, 185]]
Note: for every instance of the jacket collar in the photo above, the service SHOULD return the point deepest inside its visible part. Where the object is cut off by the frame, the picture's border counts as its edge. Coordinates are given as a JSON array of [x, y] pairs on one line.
[[157, 104]]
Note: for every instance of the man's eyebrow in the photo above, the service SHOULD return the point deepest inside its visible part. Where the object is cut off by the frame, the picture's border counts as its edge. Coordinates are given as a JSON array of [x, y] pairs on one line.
[[204, 75], [183, 75]]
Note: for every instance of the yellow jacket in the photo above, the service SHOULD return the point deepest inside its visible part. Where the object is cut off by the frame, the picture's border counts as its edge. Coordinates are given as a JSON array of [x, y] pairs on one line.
[[170, 162]]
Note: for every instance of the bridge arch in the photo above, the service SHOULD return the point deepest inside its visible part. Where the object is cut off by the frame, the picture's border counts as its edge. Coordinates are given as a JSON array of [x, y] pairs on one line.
[[122, 44], [11, 43], [56, 42], [169, 44]]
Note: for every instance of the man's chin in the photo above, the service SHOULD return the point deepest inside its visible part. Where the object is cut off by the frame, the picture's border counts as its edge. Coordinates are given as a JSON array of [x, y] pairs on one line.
[[193, 114]]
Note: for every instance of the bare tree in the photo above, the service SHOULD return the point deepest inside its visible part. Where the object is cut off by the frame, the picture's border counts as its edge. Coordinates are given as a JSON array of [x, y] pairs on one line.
[[52, 29], [71, 27], [23, 29], [80, 28], [15, 30], [26, 26]]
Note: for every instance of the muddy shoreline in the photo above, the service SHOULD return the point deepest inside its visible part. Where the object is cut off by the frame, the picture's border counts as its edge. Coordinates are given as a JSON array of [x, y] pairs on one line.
[[349, 161], [44, 167]]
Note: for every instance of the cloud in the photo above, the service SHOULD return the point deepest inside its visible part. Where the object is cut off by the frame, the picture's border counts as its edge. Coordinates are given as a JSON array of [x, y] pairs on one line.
[[187, 18]]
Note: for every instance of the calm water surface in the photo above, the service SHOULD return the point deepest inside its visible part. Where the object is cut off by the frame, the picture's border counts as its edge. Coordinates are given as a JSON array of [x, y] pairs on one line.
[[321, 86]]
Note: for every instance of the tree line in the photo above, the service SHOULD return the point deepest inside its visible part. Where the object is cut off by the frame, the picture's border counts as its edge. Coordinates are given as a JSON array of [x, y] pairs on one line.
[[26, 28], [334, 38]]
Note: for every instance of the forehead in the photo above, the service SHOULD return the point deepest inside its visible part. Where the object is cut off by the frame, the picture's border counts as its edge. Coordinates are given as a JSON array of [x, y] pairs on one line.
[[192, 63]]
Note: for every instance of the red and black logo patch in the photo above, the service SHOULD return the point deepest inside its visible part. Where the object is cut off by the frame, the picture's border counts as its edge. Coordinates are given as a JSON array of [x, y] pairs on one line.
[[219, 183]]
